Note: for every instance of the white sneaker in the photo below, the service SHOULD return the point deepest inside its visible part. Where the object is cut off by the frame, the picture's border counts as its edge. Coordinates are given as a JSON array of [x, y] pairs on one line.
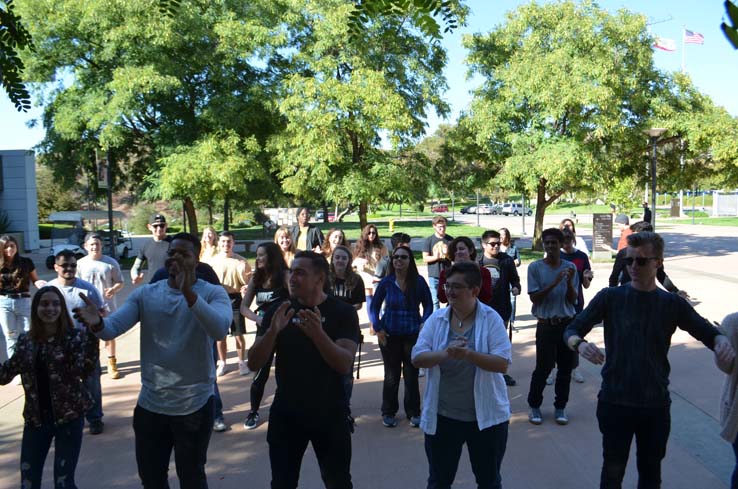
[[243, 369], [577, 376], [17, 380], [221, 368], [550, 379]]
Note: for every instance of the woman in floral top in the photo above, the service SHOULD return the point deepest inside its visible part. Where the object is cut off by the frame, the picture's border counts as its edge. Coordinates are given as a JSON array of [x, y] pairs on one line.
[[52, 359]]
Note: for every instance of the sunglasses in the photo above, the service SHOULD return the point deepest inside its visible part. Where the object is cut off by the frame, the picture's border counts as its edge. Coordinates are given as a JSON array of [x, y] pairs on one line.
[[453, 287], [158, 225], [492, 243], [641, 260], [400, 257], [68, 265]]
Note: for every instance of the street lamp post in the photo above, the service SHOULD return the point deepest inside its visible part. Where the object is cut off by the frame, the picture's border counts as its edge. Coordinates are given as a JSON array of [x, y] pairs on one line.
[[654, 134]]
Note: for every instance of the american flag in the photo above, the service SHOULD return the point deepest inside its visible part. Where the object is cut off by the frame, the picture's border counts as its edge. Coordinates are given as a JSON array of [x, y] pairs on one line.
[[691, 37]]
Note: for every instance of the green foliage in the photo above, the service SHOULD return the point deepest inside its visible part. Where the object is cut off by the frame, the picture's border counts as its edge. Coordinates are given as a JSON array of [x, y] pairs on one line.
[[731, 31], [13, 38], [140, 218], [566, 95], [52, 195], [422, 13], [342, 94]]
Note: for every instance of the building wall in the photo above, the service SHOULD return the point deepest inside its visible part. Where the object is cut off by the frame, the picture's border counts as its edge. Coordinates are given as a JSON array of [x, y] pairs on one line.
[[18, 197]]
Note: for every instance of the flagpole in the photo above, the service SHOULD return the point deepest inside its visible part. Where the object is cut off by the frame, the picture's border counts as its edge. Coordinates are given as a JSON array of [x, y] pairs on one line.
[[681, 147]]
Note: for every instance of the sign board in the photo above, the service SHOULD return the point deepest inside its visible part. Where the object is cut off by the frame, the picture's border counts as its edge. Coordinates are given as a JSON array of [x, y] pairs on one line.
[[675, 210], [601, 235], [101, 165]]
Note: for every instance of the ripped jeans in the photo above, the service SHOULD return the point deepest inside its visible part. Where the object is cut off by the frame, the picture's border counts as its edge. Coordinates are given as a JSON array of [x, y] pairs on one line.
[[35, 446]]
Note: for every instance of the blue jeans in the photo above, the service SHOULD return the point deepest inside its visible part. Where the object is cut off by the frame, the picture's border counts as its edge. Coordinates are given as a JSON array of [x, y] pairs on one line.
[[486, 450], [92, 384], [15, 318], [35, 446], [433, 284], [734, 479]]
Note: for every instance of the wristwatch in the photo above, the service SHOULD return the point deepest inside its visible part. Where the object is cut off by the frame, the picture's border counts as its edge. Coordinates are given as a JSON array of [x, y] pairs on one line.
[[577, 343]]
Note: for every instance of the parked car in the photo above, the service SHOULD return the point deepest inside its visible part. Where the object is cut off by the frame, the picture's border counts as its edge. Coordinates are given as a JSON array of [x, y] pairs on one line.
[[439, 208], [467, 209], [515, 209], [496, 209], [319, 216], [484, 209]]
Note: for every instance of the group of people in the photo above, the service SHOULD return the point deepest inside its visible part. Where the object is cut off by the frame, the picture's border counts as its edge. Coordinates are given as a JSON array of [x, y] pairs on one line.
[[303, 294]]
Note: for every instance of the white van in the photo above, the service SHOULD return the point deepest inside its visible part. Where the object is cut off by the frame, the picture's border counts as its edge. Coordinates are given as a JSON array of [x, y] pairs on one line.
[[515, 209]]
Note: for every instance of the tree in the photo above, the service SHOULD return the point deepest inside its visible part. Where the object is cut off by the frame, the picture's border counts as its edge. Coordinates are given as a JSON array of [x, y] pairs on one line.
[[343, 95], [566, 95], [157, 89], [13, 38], [423, 13]]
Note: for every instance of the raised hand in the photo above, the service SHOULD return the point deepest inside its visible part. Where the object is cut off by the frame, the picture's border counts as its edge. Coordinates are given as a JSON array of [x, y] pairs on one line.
[[311, 322], [89, 315], [591, 352], [282, 317]]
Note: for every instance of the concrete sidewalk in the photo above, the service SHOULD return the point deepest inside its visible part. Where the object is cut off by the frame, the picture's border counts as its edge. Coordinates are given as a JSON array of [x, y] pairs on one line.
[[546, 456]]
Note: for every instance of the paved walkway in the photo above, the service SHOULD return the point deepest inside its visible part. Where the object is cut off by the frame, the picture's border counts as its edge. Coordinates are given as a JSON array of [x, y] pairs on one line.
[[703, 261]]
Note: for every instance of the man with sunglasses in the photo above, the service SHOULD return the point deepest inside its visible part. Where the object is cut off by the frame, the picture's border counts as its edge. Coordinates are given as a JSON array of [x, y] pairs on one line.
[[154, 252], [505, 279], [639, 319], [65, 265]]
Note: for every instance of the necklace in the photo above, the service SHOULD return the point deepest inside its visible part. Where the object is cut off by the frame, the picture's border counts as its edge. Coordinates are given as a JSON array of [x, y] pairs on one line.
[[463, 319]]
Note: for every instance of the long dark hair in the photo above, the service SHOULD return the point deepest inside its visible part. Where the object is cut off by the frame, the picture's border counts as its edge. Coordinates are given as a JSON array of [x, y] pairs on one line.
[[411, 280], [19, 272], [274, 271], [63, 324], [351, 277], [364, 246]]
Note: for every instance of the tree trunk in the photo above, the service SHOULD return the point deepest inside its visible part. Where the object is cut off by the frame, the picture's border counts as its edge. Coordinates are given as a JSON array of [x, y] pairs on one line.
[[541, 204], [362, 214], [191, 216]]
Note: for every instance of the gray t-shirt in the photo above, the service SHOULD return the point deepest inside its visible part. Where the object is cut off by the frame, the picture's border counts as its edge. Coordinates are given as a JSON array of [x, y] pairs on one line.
[[555, 304], [103, 274], [72, 298], [456, 391]]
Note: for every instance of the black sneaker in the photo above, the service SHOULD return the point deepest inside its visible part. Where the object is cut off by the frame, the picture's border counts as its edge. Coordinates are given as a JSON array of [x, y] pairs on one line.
[[251, 420], [509, 380], [96, 427]]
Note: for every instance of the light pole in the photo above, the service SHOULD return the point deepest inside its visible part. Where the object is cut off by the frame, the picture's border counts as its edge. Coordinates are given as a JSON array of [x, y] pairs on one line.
[[654, 134]]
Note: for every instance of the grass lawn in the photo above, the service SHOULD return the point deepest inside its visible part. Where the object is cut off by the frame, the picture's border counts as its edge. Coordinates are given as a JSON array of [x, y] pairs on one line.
[[708, 221]]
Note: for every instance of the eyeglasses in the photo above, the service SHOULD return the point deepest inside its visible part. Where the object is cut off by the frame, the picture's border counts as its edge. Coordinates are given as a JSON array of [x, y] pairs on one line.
[[158, 226], [492, 243], [453, 287], [640, 260], [400, 257], [68, 265]]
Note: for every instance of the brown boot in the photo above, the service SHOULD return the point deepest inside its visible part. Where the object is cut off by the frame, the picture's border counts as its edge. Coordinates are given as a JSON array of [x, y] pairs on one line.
[[113, 368]]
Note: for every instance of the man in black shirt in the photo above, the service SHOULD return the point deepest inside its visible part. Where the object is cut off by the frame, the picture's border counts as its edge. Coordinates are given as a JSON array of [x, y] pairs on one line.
[[314, 338], [639, 320], [505, 280]]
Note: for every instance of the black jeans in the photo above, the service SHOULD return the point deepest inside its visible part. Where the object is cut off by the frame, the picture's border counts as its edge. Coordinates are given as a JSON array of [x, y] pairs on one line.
[[486, 449], [734, 478], [551, 350], [259, 383], [618, 425], [189, 436], [290, 430], [396, 358]]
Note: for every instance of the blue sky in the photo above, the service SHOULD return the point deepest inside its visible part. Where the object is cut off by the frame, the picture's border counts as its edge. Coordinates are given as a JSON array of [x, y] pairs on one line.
[[713, 66]]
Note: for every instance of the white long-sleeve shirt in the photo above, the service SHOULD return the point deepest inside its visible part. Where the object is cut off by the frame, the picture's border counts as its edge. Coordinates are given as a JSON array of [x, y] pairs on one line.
[[177, 368], [490, 392]]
